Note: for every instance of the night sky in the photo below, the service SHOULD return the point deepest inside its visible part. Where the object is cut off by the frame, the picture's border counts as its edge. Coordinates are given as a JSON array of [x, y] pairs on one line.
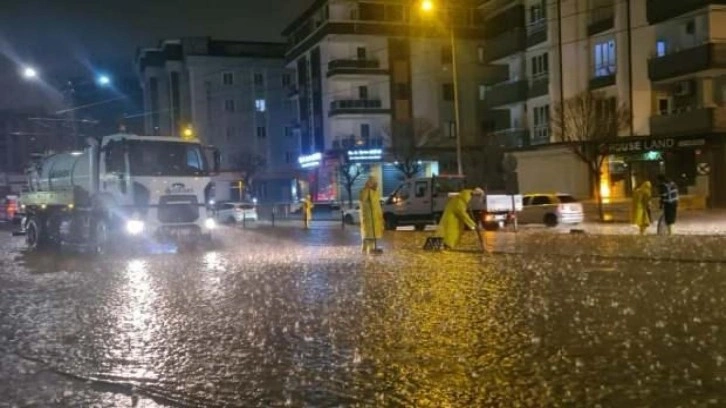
[[76, 37]]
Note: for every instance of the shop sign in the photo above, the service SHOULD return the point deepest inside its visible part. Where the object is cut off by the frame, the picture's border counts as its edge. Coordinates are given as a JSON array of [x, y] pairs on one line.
[[309, 161], [644, 145], [365, 155]]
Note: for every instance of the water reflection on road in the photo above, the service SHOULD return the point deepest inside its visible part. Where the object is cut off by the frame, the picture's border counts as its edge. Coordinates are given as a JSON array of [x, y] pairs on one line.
[[280, 318]]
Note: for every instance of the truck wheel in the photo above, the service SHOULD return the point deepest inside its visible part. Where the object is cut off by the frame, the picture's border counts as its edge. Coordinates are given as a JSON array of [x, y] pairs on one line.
[[35, 236], [101, 238], [550, 220], [391, 222]]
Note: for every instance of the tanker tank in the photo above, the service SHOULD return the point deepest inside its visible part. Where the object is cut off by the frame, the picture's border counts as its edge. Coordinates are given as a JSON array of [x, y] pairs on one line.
[[64, 171]]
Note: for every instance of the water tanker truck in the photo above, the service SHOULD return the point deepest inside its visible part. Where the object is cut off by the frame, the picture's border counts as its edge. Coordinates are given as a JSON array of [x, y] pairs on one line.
[[122, 189]]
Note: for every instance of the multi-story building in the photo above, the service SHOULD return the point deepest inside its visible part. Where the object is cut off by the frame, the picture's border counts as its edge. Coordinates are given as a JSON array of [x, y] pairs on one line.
[[230, 94], [365, 70], [659, 59]]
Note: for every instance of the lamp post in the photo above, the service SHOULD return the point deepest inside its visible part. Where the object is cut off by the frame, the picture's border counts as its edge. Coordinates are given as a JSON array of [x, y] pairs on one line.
[[428, 7]]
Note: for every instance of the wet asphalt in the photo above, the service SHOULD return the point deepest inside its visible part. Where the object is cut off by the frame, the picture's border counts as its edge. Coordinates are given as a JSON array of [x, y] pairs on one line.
[[268, 317]]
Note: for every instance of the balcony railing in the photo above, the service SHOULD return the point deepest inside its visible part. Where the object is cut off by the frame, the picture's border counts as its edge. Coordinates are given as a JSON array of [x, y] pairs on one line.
[[511, 42], [356, 142], [537, 33], [602, 80], [602, 18], [355, 67], [688, 61], [661, 10], [356, 106], [539, 86], [510, 138], [506, 93], [689, 121], [540, 135]]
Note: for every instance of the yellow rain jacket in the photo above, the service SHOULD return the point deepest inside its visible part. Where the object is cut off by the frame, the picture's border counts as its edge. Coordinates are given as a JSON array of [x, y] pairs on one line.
[[640, 211], [371, 215], [308, 208], [455, 218]]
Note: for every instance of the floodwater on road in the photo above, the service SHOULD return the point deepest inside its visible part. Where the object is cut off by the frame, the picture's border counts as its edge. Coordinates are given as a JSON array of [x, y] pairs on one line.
[[287, 317]]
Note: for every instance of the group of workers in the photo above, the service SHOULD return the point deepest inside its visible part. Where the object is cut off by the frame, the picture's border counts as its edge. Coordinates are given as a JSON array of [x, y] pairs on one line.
[[641, 214], [453, 223]]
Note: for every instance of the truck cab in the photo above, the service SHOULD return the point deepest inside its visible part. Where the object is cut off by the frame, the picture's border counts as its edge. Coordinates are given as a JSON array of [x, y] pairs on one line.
[[420, 201]]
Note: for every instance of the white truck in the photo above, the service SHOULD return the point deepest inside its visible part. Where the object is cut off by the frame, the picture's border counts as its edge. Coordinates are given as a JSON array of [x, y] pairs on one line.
[[421, 201], [135, 189]]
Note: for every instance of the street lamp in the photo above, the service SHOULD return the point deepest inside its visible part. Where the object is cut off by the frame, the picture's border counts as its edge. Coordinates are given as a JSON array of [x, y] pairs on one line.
[[30, 73], [104, 80], [188, 133], [428, 7]]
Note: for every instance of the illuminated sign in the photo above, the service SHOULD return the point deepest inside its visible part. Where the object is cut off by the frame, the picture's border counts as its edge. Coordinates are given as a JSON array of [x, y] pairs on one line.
[[365, 155], [312, 160]]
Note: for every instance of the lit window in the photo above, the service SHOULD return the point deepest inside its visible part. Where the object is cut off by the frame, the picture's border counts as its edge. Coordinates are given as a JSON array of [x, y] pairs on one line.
[[604, 59], [660, 49], [260, 105]]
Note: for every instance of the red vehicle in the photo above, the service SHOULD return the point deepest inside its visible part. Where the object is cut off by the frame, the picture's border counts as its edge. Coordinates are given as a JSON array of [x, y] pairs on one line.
[[8, 208]]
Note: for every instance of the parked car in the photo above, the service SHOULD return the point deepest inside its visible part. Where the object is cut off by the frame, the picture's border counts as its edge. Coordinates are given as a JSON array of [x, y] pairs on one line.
[[551, 210], [231, 213], [351, 216]]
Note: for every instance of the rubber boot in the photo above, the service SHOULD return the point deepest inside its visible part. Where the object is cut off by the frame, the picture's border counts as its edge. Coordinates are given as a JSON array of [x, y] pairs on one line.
[[670, 229]]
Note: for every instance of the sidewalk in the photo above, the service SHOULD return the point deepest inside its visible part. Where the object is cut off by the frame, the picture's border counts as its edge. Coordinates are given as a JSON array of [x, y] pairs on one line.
[[702, 222]]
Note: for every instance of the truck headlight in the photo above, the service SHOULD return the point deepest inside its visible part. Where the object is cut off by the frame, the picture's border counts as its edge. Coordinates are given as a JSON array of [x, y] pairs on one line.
[[134, 227], [209, 223]]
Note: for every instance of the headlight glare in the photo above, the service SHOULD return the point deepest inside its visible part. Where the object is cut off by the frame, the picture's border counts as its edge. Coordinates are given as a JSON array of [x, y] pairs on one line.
[[134, 227]]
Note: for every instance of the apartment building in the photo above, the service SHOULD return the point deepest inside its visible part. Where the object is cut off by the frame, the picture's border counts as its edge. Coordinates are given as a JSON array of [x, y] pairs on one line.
[[365, 69], [659, 58], [231, 94]]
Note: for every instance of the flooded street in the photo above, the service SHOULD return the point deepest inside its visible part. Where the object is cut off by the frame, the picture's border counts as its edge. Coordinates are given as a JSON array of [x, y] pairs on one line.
[[286, 317]]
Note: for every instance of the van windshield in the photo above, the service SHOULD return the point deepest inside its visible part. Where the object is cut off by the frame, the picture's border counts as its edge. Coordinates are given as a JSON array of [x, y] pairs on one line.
[[446, 185]]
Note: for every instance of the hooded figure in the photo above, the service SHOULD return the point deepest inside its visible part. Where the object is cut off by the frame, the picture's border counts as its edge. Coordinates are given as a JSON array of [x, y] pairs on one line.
[[640, 214], [455, 218], [307, 210], [371, 215]]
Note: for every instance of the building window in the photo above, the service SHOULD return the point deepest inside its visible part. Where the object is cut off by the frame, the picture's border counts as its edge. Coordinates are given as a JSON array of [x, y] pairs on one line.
[[289, 157], [690, 27], [227, 78], [448, 92], [664, 105], [260, 105], [540, 65], [604, 58], [371, 12], [447, 57], [451, 130], [365, 133], [288, 131], [261, 132], [229, 133], [541, 122], [537, 12], [403, 91], [660, 48], [229, 105], [363, 92], [361, 53], [480, 54], [482, 92], [259, 79]]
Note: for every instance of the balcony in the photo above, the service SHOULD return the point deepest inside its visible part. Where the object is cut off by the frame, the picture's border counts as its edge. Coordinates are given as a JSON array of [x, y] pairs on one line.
[[700, 58], [601, 81], [661, 10], [494, 74], [355, 67], [357, 106], [602, 18], [537, 33], [539, 87], [355, 142], [511, 42], [689, 122], [506, 93], [510, 138]]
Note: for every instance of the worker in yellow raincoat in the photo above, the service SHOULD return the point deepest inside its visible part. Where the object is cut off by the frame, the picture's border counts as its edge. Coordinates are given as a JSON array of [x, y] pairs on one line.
[[455, 219], [371, 215], [307, 210], [640, 211]]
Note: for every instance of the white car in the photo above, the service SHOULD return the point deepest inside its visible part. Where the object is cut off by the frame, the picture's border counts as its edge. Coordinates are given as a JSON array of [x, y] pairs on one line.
[[231, 213], [351, 216], [551, 210]]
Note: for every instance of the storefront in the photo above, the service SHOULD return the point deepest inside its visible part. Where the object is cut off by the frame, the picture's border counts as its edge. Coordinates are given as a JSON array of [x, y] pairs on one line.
[[696, 164]]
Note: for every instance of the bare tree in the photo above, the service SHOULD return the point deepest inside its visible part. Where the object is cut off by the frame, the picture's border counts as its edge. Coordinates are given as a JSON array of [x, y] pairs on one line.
[[349, 174], [407, 139], [250, 165], [585, 122]]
